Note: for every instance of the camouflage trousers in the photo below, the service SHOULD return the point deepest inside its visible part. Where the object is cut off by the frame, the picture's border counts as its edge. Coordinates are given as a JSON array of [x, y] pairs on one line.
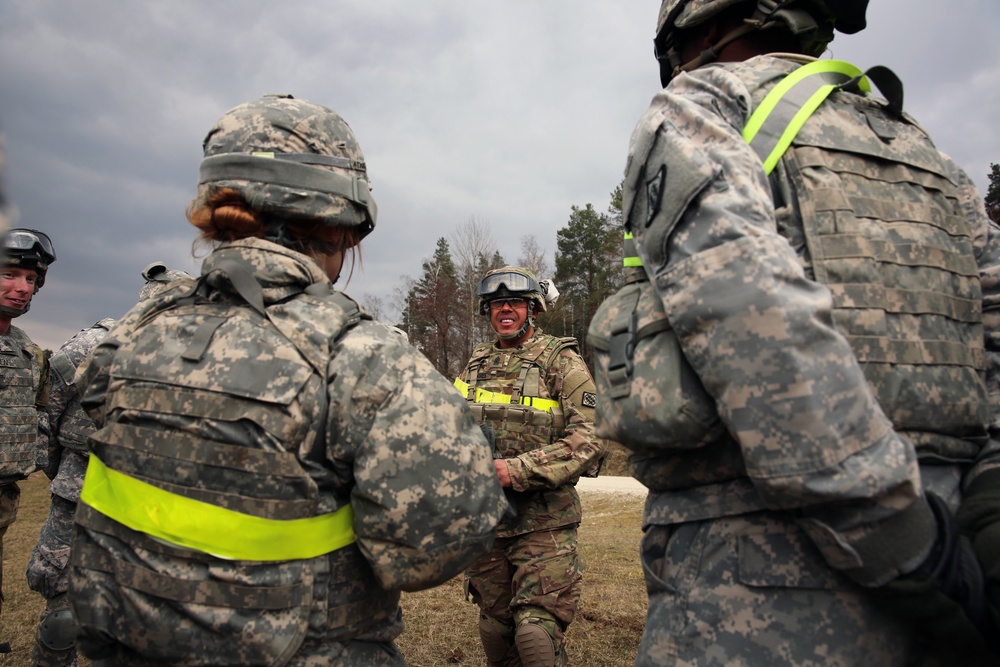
[[535, 577], [48, 574], [10, 498], [754, 590]]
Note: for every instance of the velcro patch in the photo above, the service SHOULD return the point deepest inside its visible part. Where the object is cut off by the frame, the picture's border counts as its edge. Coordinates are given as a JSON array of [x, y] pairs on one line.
[[589, 399]]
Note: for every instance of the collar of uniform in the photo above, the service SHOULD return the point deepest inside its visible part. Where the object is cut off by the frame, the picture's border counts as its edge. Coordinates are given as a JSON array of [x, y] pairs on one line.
[[278, 269]]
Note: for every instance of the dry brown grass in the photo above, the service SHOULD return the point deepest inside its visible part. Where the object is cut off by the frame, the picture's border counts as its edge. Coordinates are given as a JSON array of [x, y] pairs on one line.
[[441, 627]]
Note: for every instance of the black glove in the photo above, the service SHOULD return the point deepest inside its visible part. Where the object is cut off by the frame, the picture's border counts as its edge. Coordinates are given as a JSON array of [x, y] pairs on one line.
[[979, 519], [944, 599]]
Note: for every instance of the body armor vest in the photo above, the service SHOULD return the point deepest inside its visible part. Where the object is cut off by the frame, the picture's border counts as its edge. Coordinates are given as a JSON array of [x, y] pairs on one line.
[[873, 211], [215, 410], [20, 379], [527, 419]]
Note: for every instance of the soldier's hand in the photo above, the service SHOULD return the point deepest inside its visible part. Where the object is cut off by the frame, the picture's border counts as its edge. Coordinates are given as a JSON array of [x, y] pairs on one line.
[[944, 599], [979, 520], [503, 472]]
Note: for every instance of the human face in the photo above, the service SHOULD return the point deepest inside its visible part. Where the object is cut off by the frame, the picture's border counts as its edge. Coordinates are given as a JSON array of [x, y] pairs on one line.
[[507, 317], [17, 285]]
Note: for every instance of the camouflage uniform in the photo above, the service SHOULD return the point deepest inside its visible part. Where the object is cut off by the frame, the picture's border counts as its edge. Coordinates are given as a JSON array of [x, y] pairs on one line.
[[776, 291], [48, 571], [533, 574], [24, 425], [326, 411]]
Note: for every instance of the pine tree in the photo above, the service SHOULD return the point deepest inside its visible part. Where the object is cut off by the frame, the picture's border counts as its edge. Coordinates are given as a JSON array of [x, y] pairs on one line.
[[993, 193]]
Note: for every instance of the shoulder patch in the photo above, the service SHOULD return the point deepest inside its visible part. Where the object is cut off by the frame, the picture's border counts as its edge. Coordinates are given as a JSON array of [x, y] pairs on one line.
[[654, 193], [589, 399]]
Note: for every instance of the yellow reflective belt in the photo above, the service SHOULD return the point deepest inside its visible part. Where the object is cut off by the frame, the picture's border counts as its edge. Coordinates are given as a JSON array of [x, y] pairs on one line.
[[483, 396], [204, 527], [798, 106]]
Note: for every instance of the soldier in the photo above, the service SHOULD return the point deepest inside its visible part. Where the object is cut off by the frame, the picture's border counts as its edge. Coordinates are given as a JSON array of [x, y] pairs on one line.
[[24, 375], [48, 574], [535, 393], [270, 467], [837, 303]]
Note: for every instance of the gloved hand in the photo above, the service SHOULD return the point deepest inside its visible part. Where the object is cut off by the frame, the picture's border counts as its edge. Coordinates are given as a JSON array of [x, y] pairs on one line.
[[979, 519], [944, 599]]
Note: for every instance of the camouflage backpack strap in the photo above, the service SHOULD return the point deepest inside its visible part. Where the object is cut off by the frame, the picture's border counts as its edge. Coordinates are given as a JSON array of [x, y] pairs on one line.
[[479, 354], [531, 366], [44, 382]]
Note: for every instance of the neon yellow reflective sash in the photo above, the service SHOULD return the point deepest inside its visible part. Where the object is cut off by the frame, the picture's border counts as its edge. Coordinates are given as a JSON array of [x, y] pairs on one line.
[[483, 396], [834, 71], [631, 256], [204, 527]]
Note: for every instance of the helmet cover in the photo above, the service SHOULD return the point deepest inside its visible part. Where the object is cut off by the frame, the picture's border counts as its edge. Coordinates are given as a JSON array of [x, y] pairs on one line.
[[290, 158], [509, 282], [849, 14]]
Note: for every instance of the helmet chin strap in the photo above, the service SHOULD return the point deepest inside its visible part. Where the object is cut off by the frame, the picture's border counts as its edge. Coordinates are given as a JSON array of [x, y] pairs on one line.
[[14, 312], [529, 322]]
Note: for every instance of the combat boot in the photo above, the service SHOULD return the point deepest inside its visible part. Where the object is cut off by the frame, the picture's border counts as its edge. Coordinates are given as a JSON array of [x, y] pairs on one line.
[[535, 646]]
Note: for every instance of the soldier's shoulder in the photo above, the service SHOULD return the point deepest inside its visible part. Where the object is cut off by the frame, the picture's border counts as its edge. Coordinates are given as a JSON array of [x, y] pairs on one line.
[[17, 336]]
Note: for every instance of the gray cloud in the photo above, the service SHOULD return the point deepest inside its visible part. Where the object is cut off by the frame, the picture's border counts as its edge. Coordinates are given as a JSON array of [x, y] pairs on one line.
[[509, 113]]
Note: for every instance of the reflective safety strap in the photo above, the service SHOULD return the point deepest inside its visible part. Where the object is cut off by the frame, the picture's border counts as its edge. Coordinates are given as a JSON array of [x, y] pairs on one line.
[[220, 532], [483, 396], [631, 255], [782, 113]]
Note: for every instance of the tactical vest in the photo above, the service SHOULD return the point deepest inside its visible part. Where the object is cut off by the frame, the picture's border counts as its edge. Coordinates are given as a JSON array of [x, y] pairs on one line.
[[20, 380], [873, 210], [74, 425], [505, 389], [215, 408]]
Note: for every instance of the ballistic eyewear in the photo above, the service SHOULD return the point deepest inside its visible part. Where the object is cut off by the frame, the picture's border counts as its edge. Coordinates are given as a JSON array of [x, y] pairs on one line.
[[514, 282], [20, 241]]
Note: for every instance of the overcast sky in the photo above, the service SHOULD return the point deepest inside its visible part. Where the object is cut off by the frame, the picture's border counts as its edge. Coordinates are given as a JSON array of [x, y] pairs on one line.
[[504, 112]]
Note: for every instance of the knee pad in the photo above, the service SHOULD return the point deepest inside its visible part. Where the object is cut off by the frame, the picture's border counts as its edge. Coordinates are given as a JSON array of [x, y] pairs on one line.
[[535, 646], [57, 631], [497, 638]]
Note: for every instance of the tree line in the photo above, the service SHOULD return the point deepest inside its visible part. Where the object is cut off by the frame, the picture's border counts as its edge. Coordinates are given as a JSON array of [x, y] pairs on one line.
[[439, 311]]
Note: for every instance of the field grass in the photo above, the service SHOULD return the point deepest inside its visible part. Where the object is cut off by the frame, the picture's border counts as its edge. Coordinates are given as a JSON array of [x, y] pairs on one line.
[[441, 627]]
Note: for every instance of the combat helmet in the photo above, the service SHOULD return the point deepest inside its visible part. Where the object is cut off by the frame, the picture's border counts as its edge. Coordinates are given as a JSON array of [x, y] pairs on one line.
[[516, 282], [158, 278], [811, 21], [290, 159], [27, 249]]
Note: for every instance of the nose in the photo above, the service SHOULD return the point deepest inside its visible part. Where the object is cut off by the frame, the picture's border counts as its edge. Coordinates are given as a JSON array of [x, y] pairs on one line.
[[21, 284]]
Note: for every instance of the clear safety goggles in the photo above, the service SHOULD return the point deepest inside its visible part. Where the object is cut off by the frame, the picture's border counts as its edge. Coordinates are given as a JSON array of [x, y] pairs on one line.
[[511, 280], [24, 240]]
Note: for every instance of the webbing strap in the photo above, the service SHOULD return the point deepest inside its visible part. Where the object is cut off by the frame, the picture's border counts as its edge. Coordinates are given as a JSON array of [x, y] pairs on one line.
[[483, 396], [782, 113], [204, 527], [631, 255]]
